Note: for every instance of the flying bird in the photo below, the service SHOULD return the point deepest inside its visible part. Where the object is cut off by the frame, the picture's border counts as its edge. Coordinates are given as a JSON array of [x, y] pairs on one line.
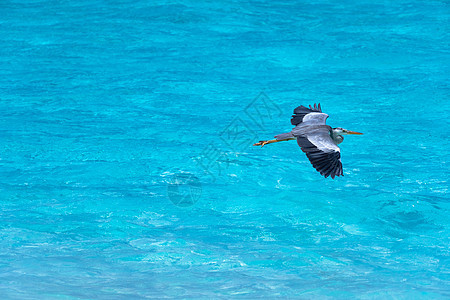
[[318, 140]]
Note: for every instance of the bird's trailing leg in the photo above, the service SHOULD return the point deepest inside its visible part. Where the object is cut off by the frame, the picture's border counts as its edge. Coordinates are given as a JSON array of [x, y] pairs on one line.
[[263, 143]]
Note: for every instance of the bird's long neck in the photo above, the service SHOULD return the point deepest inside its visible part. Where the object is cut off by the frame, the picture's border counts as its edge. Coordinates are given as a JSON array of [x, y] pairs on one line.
[[337, 138]]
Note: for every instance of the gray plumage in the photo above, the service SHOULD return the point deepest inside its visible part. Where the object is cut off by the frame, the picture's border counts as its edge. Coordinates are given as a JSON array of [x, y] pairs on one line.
[[316, 139]]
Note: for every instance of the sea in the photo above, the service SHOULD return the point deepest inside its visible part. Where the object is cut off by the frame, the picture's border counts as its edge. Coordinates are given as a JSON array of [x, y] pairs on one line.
[[127, 165]]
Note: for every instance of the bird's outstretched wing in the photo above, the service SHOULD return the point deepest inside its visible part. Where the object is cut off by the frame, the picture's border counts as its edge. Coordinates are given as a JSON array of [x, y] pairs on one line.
[[322, 152], [312, 115]]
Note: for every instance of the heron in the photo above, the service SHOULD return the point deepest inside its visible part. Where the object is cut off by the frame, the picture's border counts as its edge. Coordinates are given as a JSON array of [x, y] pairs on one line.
[[318, 140]]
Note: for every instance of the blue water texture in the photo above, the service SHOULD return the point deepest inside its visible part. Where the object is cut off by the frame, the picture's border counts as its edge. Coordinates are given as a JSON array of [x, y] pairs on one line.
[[126, 160]]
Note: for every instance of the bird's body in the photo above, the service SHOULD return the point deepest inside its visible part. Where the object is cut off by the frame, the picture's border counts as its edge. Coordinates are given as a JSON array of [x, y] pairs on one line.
[[318, 140]]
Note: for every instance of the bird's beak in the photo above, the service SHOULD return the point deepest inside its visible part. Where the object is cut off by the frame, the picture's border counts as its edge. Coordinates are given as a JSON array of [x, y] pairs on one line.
[[353, 132]]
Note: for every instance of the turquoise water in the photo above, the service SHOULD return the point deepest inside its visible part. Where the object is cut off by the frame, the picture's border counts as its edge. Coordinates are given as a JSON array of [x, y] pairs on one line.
[[126, 160]]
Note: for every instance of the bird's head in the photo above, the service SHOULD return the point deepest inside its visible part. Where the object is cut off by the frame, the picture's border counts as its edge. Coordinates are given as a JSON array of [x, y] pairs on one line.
[[342, 131]]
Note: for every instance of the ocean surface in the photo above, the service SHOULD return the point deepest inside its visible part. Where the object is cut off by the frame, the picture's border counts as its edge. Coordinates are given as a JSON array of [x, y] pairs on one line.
[[126, 160]]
